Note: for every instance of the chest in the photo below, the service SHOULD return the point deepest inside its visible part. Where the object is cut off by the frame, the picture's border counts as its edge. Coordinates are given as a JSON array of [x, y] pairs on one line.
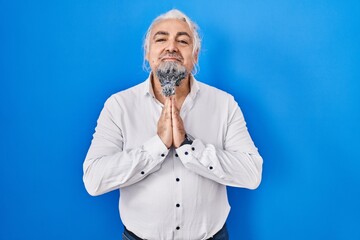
[[139, 122]]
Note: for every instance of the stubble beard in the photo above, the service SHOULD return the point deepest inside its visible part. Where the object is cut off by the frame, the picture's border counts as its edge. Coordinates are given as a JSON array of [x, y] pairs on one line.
[[170, 75]]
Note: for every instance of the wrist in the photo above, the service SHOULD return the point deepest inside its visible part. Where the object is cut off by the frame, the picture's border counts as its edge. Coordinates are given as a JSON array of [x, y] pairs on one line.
[[187, 140]]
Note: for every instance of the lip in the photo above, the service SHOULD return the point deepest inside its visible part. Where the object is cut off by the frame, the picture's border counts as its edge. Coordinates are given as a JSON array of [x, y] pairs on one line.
[[170, 59]]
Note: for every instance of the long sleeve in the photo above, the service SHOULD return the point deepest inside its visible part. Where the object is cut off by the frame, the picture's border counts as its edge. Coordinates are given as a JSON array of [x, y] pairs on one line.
[[237, 164], [108, 166]]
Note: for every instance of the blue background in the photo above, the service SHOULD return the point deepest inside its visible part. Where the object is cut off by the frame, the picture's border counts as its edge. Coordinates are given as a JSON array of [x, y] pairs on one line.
[[293, 66]]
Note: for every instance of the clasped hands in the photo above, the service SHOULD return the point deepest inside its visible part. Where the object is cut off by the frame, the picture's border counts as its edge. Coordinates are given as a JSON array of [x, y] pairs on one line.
[[170, 125]]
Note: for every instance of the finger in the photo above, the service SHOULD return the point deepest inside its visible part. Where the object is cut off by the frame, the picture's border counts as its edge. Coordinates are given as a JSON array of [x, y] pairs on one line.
[[168, 108], [174, 109], [173, 102], [176, 118]]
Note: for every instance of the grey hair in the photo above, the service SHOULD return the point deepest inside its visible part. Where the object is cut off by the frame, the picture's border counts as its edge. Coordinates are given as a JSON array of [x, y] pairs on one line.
[[174, 14]]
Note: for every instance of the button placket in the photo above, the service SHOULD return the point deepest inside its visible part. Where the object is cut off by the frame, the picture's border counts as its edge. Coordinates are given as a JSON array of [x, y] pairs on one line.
[[178, 211]]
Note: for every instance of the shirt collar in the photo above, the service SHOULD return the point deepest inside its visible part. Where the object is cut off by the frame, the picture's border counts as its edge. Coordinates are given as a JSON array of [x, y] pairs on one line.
[[194, 87]]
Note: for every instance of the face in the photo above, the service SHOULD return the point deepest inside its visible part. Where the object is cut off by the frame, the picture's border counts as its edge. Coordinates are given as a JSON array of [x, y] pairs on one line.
[[171, 40]]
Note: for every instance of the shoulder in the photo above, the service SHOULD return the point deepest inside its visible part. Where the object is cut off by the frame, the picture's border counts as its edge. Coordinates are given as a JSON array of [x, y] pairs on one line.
[[206, 90], [135, 91], [129, 95]]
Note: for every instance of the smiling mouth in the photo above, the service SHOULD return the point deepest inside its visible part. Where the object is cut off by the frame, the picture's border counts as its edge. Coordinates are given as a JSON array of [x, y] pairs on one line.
[[171, 57], [165, 59]]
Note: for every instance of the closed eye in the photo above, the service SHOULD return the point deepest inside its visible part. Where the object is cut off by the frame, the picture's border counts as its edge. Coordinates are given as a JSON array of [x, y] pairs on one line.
[[183, 42]]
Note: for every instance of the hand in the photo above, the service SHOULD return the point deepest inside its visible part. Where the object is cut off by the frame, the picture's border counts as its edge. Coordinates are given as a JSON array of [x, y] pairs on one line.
[[178, 130], [165, 131]]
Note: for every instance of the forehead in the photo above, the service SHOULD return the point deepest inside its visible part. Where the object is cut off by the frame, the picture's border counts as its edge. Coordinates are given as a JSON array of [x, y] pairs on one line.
[[171, 26]]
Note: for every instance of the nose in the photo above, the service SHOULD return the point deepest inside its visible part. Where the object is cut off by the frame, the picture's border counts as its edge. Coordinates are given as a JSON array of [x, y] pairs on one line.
[[171, 46]]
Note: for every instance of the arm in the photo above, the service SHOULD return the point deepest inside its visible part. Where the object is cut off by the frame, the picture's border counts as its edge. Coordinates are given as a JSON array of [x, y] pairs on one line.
[[108, 166], [237, 164]]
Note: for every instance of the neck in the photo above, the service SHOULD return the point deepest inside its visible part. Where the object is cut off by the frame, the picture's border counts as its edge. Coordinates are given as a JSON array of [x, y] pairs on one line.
[[180, 92]]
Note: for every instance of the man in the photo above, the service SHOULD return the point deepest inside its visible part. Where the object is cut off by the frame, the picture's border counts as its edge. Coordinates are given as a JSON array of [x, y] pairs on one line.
[[171, 144]]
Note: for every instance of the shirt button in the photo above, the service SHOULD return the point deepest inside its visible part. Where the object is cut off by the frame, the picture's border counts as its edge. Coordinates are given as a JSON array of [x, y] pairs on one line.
[[186, 153], [177, 228], [142, 172], [176, 155], [177, 205], [177, 179], [210, 167], [193, 148], [163, 155]]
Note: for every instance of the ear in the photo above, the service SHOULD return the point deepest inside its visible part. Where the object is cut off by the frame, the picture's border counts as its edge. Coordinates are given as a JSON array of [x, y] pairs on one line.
[[147, 54], [196, 56]]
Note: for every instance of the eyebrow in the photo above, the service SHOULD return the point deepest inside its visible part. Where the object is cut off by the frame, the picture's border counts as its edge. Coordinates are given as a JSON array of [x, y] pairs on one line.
[[183, 33], [167, 34], [160, 33]]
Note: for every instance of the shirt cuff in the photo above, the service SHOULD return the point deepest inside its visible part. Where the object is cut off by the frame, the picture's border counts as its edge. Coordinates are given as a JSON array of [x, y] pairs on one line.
[[156, 148], [188, 152], [194, 157]]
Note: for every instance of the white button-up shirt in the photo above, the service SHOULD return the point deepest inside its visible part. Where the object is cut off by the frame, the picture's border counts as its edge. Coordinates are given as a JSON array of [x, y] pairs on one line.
[[172, 193]]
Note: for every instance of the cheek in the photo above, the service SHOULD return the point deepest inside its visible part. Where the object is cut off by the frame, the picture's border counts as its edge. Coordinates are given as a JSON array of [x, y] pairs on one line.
[[153, 61], [189, 58], [153, 55], [188, 54]]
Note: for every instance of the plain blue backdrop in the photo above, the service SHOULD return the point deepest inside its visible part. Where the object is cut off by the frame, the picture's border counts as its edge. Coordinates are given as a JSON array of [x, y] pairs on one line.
[[293, 66]]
